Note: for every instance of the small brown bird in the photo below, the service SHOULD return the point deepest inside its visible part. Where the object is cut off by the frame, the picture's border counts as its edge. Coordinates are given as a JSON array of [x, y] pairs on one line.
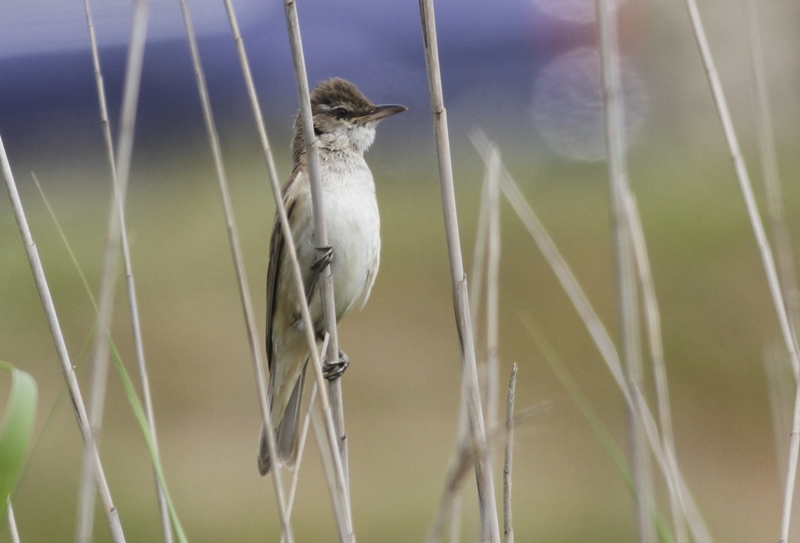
[[344, 122]]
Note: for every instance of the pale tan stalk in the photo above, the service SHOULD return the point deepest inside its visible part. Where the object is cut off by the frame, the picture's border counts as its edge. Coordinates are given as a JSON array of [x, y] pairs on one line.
[[653, 325], [508, 524], [475, 291], [126, 148], [61, 349], [493, 293], [562, 270], [320, 230], [779, 387], [301, 446], [101, 349], [462, 443], [340, 500], [336, 431], [600, 336], [323, 448], [459, 469], [111, 259], [767, 259], [770, 172], [238, 262], [479, 252], [694, 519], [627, 292], [490, 530], [304, 434]]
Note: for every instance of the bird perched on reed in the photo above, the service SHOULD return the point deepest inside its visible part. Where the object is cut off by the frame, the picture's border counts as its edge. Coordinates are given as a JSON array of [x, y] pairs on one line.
[[344, 123]]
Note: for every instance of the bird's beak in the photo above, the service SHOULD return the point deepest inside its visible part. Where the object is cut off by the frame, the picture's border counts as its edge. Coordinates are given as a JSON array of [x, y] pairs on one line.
[[380, 112]]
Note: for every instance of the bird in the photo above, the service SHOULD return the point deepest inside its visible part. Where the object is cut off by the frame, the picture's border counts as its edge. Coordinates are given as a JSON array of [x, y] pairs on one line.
[[344, 124]]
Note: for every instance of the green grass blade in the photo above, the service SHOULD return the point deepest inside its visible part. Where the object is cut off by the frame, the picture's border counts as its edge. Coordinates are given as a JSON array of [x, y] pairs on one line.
[[600, 431], [127, 384], [16, 428]]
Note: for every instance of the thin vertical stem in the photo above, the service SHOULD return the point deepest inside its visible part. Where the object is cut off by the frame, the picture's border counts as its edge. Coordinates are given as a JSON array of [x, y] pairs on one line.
[[627, 294], [744, 184], [100, 355], [667, 465], [767, 259], [493, 292], [337, 435], [770, 173], [126, 147], [479, 252], [238, 261], [653, 322], [508, 525], [61, 349], [340, 495], [301, 447], [779, 388], [490, 530]]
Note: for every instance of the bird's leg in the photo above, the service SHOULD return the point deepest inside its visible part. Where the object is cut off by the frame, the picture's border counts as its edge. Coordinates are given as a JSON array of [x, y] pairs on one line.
[[334, 370], [325, 258], [330, 370]]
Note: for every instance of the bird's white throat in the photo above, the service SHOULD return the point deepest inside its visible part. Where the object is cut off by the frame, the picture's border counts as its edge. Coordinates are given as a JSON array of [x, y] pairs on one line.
[[355, 137]]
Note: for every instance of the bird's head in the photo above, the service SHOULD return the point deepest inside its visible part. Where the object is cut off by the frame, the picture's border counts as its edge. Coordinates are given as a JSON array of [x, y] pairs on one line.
[[344, 119]]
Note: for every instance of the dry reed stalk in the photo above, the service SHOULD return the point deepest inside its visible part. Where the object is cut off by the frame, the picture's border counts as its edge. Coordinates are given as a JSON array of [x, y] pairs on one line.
[[508, 525], [238, 263], [780, 399], [493, 291], [61, 349], [140, 358], [490, 530], [320, 229], [556, 261], [699, 531], [479, 252], [116, 234], [601, 338], [323, 447], [302, 445], [489, 209], [335, 422], [303, 434], [462, 442], [138, 38], [341, 502], [12, 524], [459, 468], [653, 325], [101, 349], [627, 293], [765, 139], [767, 259]]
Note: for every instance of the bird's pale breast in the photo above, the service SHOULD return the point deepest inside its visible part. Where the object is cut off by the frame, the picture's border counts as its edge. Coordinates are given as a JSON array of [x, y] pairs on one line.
[[353, 223]]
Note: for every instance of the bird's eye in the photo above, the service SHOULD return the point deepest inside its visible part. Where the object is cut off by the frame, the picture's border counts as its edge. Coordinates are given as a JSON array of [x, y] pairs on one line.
[[339, 112]]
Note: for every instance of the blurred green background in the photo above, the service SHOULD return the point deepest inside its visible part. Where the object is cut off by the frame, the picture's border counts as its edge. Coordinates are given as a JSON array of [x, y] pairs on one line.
[[401, 391]]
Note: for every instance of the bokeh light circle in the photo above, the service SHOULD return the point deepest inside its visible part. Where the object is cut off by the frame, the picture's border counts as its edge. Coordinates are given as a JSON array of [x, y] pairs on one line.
[[573, 11], [567, 106]]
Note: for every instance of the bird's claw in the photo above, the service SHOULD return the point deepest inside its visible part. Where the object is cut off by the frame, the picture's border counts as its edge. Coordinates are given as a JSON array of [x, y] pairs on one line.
[[325, 258], [334, 370]]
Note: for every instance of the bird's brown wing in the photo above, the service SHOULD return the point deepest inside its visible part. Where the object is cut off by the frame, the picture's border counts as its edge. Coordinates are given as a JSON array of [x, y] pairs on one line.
[[275, 257]]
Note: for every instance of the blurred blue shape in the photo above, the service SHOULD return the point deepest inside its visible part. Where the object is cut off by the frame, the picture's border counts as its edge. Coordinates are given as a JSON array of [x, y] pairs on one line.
[[490, 54]]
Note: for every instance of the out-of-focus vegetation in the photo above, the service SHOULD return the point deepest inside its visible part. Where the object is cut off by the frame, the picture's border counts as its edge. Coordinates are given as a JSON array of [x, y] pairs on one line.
[[401, 391]]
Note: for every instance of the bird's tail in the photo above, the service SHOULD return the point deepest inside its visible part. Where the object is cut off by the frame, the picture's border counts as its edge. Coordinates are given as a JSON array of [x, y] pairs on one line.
[[287, 436]]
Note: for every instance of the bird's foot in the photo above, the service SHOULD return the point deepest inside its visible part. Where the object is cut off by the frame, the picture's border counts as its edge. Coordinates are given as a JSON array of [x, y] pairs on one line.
[[325, 258], [334, 370]]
